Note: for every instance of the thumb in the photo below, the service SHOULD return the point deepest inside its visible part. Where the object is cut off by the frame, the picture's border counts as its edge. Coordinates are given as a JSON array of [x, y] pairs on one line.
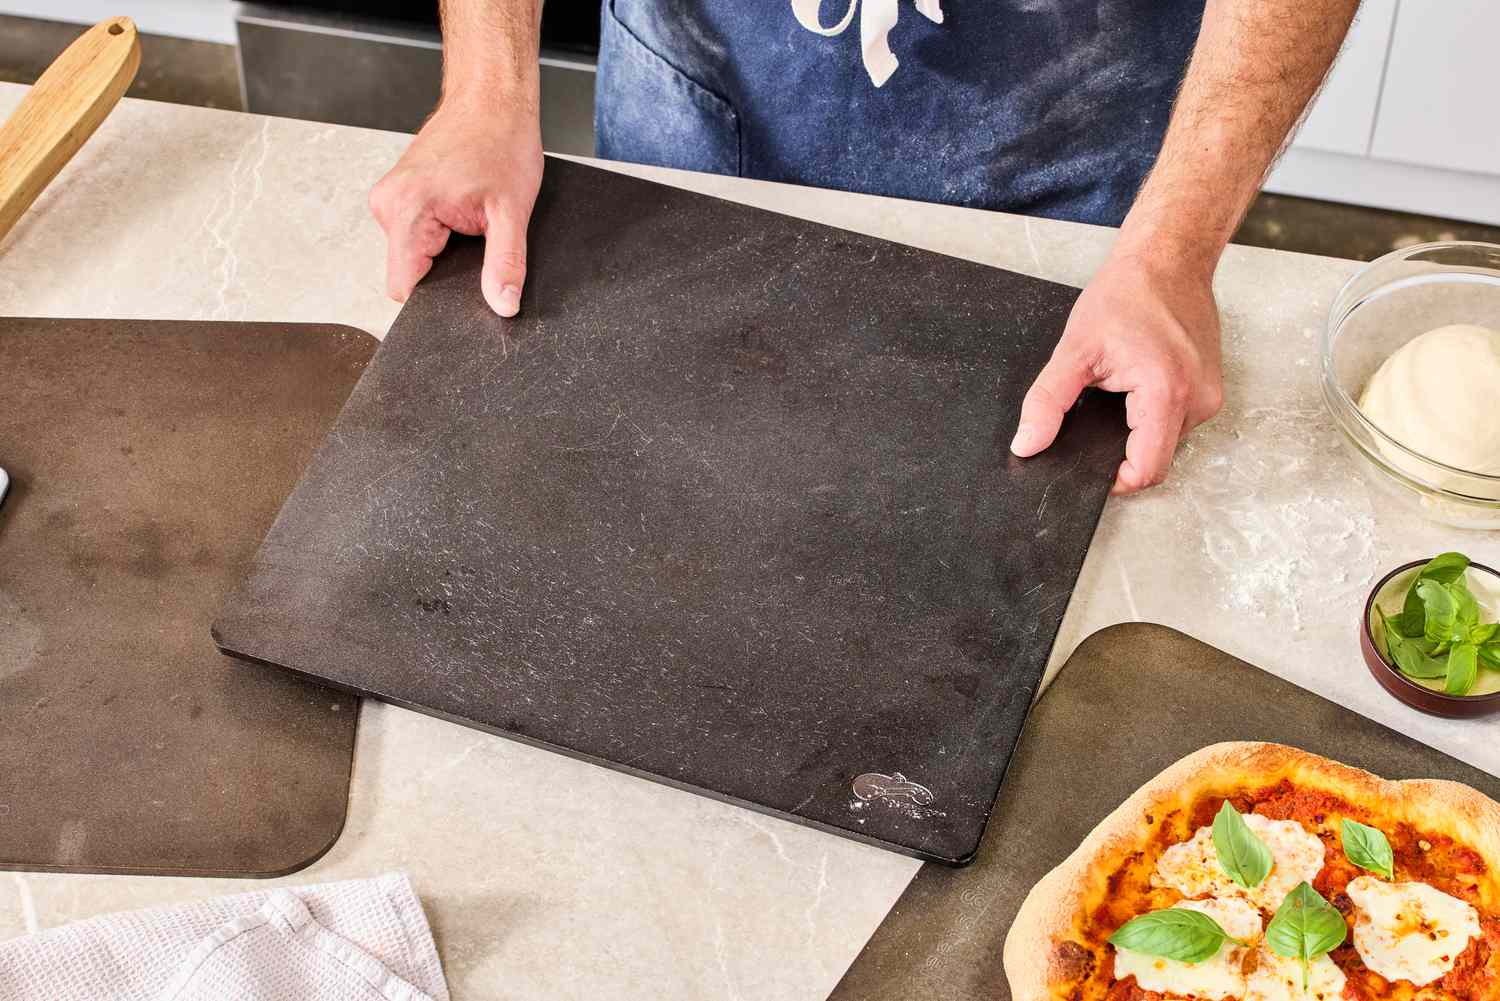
[[1056, 389], [504, 259]]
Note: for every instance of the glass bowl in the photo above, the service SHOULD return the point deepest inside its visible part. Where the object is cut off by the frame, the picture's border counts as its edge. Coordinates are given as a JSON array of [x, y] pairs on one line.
[[1387, 303]]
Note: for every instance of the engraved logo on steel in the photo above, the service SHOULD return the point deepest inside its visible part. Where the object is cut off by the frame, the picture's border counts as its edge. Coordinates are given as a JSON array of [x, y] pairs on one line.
[[873, 785]]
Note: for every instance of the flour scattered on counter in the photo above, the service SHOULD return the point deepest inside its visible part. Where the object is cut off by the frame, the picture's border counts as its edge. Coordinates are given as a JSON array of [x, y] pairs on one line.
[[1277, 506]]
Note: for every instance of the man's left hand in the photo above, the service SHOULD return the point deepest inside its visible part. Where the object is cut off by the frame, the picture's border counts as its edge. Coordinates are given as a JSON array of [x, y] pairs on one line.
[[1145, 328]]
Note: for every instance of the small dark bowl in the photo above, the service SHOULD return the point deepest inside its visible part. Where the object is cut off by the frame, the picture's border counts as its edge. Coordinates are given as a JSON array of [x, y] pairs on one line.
[[1392, 680]]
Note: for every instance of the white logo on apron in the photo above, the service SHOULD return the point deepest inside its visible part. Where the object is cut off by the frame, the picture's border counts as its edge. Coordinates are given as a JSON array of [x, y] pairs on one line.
[[875, 24]]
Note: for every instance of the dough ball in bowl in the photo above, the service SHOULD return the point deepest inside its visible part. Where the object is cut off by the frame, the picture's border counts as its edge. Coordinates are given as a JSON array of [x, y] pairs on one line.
[[1439, 395]]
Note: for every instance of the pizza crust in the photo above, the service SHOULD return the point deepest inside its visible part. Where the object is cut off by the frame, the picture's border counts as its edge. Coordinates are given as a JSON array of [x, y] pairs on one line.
[[1042, 952]]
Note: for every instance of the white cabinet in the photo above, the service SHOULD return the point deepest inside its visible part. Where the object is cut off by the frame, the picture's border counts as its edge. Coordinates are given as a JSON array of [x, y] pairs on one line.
[[1408, 119], [206, 20], [1438, 107], [1343, 116]]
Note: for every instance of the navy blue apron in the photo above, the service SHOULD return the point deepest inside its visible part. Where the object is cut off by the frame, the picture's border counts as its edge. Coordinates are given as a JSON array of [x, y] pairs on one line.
[[1053, 108]]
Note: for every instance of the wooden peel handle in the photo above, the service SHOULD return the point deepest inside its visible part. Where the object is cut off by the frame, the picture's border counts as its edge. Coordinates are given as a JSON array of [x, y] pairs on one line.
[[62, 110]]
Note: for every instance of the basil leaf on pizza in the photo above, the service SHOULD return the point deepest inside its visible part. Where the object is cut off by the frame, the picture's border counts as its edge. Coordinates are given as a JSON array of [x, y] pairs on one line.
[[1368, 848], [1242, 854], [1305, 927], [1175, 933]]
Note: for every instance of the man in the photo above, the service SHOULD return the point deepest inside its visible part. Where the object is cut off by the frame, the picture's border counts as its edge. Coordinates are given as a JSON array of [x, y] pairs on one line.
[[1061, 108]]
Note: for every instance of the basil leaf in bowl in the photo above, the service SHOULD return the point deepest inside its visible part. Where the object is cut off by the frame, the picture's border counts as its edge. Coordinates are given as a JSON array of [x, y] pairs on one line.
[[1411, 656], [1463, 669], [1444, 568], [1440, 608], [1468, 609]]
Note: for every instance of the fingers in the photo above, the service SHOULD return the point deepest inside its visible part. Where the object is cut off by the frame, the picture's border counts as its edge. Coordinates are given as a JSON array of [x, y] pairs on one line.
[[504, 272], [409, 254], [414, 237], [1157, 417], [1056, 390]]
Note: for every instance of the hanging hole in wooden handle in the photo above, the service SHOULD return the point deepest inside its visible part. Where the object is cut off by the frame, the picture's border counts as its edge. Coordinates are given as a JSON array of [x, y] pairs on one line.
[[61, 110]]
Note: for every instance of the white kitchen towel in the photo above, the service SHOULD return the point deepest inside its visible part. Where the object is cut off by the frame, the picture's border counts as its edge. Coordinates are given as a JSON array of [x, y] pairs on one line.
[[361, 940]]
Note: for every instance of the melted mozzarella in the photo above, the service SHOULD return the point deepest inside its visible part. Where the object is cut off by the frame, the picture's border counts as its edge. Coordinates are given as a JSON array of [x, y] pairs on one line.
[[1409, 931], [1192, 868], [1219, 976], [1277, 978]]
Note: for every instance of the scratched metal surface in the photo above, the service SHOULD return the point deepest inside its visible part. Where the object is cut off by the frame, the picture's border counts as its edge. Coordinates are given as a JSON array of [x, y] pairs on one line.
[[1131, 700], [149, 458], [728, 506]]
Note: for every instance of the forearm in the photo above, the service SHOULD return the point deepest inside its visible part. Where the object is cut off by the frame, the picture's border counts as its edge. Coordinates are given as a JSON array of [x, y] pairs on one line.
[[1255, 67], [490, 52]]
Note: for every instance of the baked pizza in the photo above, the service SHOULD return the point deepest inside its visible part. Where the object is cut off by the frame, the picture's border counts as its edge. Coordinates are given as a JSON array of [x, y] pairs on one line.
[[1259, 872]]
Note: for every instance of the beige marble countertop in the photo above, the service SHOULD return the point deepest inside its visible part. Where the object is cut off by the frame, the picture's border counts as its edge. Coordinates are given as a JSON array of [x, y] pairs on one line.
[[548, 878]]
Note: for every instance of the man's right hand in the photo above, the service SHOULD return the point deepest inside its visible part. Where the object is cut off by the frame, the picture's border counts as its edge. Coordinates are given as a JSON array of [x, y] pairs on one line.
[[473, 169]]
